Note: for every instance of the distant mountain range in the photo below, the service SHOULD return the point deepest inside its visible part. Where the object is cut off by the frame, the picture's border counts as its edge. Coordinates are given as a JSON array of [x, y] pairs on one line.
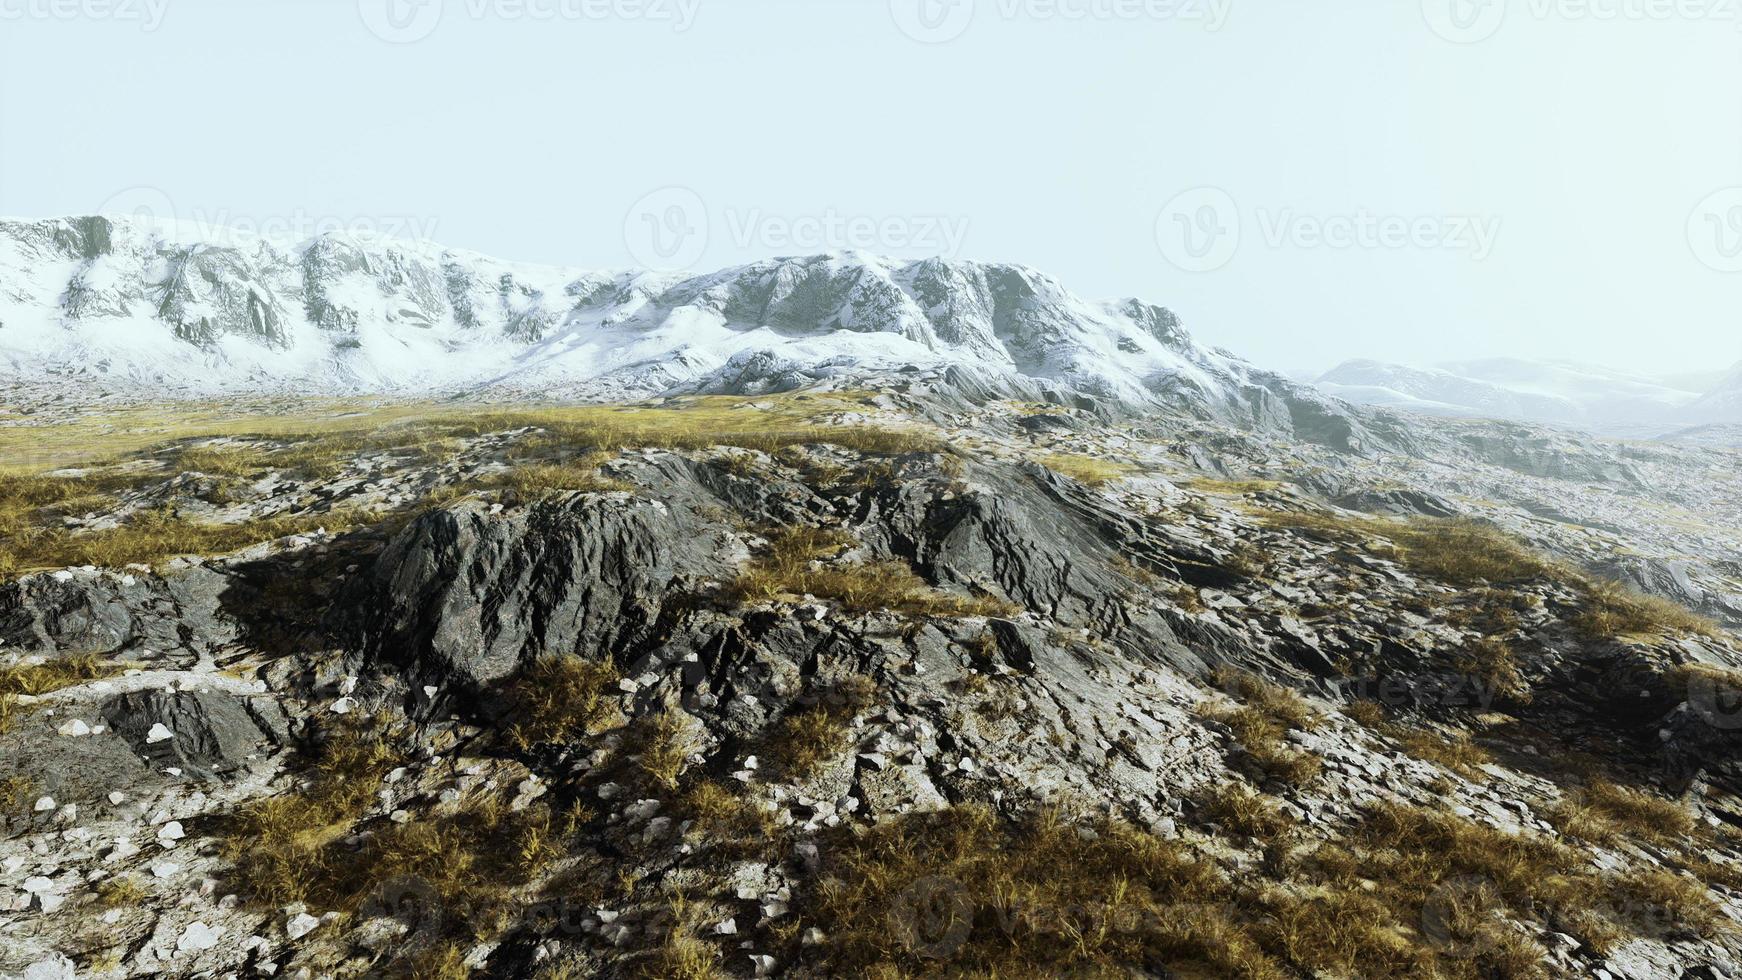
[[1547, 392]]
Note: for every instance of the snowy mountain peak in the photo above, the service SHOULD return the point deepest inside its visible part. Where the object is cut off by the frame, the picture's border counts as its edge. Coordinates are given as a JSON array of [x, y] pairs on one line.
[[134, 301]]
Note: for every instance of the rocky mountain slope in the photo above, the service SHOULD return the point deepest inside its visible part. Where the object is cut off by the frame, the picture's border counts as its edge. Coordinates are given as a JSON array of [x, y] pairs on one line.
[[845, 682]]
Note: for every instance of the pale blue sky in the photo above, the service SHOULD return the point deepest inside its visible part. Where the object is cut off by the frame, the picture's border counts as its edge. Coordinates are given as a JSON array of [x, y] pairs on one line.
[[1530, 193]]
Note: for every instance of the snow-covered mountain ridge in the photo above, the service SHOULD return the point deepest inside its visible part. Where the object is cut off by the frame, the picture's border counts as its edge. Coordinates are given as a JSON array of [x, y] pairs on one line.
[[135, 302]]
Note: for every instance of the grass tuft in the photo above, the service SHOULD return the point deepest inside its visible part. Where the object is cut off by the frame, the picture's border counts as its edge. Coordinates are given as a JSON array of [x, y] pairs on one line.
[[1091, 471], [559, 699], [793, 565]]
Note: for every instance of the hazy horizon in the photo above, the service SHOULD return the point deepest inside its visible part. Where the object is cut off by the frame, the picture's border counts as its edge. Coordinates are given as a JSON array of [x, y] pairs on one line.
[[1383, 181]]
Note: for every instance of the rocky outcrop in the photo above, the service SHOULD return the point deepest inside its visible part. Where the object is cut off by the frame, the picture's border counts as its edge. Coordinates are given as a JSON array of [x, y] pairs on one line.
[[468, 595]]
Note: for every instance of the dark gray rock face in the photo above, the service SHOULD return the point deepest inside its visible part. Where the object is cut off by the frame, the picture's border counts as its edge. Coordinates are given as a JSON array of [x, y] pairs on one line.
[[103, 612], [214, 734], [466, 596]]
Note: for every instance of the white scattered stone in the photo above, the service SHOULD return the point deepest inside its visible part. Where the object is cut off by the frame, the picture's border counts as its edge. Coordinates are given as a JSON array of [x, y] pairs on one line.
[[431, 692], [301, 926], [74, 729], [37, 885], [752, 763], [727, 928], [159, 733], [45, 804], [171, 831], [164, 869], [197, 937], [763, 963], [56, 967], [348, 686], [967, 765], [344, 706], [117, 798]]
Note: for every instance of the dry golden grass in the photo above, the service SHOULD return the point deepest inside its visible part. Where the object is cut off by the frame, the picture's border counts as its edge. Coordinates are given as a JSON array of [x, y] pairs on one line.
[[282, 845], [1235, 488], [445, 962], [1241, 811], [57, 673], [727, 818], [540, 480], [1612, 609], [475, 856], [1457, 751], [1031, 899], [1492, 661], [37, 679], [15, 794], [1276, 702], [559, 699], [665, 741], [122, 891], [1370, 714], [320, 439], [1457, 551], [682, 954], [1090, 471], [1604, 813], [792, 566], [1261, 725], [1472, 554], [157, 535], [805, 740]]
